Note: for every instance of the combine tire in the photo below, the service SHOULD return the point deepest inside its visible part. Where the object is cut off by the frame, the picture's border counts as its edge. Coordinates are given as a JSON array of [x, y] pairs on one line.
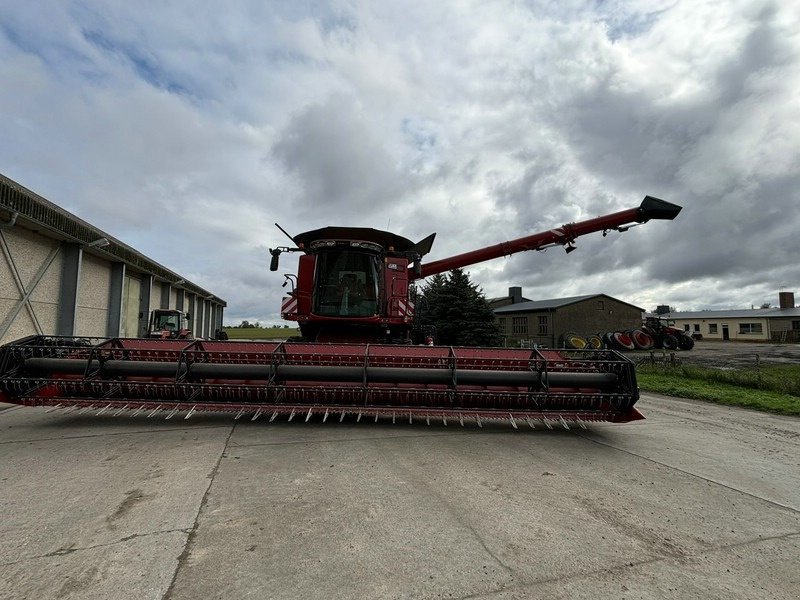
[[641, 340], [624, 341], [685, 342], [669, 342]]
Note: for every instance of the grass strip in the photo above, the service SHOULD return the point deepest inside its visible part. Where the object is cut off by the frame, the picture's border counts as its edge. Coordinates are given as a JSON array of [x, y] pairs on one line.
[[676, 383], [260, 333]]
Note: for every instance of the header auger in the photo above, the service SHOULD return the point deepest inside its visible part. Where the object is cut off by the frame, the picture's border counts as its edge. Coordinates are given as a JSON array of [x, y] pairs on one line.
[[354, 303]]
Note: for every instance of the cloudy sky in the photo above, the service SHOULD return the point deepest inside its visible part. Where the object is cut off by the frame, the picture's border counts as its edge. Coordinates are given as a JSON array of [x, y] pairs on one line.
[[186, 132]]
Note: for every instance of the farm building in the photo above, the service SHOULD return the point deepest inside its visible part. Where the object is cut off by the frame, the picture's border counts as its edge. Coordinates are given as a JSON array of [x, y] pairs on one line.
[[543, 322], [59, 275], [781, 324], [514, 297]]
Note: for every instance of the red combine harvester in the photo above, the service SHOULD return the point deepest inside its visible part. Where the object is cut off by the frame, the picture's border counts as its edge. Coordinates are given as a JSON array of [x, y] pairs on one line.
[[353, 299]]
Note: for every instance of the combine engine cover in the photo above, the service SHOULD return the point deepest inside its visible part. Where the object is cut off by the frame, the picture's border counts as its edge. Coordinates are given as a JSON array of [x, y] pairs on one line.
[[322, 381]]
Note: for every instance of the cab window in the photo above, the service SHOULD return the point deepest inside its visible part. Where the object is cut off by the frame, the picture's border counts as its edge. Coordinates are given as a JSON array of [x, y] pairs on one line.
[[347, 284]]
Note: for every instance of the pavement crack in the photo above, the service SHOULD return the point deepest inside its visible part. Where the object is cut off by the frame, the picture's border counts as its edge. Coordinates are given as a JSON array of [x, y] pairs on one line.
[[488, 551], [72, 549], [523, 584], [187, 548], [446, 502], [685, 472]]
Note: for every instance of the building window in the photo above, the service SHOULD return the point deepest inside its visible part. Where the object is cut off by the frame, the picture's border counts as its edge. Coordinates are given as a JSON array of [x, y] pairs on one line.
[[712, 328], [686, 328], [542, 325], [600, 305], [795, 325], [697, 327], [502, 324], [750, 328], [519, 325]]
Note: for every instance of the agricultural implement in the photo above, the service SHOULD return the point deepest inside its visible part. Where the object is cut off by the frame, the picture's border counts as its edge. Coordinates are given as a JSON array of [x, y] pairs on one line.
[[353, 299]]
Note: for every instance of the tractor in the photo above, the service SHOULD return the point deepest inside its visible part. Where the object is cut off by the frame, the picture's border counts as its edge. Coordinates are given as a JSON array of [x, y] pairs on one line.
[[665, 335], [168, 324]]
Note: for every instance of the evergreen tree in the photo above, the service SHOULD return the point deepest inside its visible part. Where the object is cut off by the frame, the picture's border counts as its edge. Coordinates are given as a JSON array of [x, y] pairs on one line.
[[458, 310]]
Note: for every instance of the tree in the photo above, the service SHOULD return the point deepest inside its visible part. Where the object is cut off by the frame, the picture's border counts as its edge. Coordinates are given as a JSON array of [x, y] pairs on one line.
[[458, 310]]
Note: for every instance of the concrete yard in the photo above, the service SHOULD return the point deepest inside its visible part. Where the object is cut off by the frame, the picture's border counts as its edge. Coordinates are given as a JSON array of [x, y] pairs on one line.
[[699, 501]]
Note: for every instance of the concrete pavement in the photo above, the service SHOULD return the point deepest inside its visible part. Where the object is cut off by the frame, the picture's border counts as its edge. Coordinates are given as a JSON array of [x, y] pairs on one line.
[[698, 501]]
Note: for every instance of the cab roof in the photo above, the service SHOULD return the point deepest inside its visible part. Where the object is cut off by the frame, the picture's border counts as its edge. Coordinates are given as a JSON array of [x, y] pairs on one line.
[[384, 239]]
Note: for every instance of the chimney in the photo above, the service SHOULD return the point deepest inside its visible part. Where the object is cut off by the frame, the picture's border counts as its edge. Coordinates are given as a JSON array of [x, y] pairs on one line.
[[515, 293], [786, 299]]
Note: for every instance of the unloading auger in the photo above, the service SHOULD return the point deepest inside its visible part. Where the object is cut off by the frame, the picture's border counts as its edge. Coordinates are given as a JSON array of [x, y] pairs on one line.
[[354, 303]]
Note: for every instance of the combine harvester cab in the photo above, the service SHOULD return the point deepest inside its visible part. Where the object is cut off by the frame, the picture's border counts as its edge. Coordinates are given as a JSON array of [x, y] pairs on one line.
[[354, 305]]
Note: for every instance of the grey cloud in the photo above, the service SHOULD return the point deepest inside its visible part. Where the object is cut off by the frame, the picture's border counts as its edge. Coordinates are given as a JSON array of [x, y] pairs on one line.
[[339, 162], [732, 226]]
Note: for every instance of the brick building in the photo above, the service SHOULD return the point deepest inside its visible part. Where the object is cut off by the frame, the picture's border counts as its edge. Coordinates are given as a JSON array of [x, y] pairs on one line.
[[543, 322]]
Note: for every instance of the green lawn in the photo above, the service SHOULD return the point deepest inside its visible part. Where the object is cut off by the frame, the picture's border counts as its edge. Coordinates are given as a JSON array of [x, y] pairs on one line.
[[772, 389], [257, 333]]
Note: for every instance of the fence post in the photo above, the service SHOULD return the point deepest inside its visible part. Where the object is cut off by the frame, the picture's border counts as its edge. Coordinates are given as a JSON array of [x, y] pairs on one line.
[[758, 371]]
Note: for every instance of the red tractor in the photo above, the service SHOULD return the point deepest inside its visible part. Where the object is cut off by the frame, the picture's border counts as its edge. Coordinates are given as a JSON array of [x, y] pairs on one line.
[[353, 299], [169, 324], [665, 335]]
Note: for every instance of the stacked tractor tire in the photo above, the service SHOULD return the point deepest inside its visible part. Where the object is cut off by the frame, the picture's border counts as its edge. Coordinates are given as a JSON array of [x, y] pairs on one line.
[[645, 338]]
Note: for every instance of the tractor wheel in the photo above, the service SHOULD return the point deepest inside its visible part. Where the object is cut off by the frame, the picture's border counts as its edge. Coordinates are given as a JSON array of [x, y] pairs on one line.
[[669, 342], [641, 340], [574, 341], [594, 341], [608, 339], [624, 340], [685, 342]]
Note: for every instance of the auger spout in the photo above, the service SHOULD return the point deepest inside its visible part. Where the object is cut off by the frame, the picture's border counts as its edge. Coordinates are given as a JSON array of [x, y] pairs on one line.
[[650, 208]]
